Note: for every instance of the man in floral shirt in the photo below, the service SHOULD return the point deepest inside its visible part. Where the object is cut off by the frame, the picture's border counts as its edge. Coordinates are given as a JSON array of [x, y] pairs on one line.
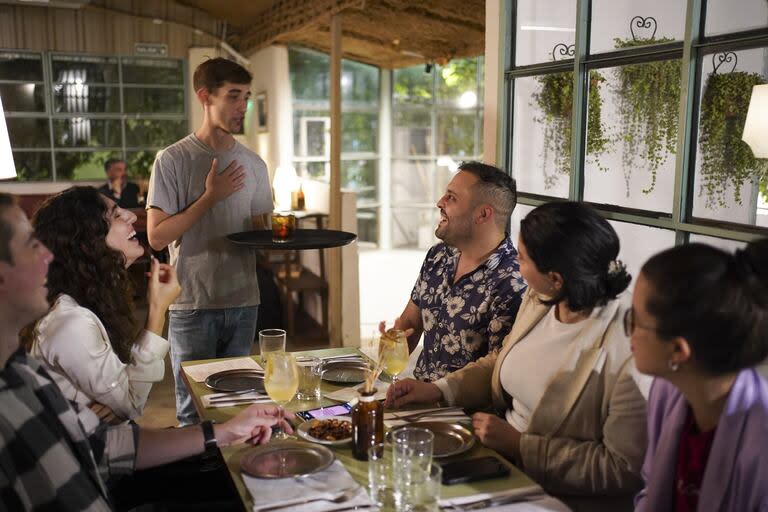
[[469, 288]]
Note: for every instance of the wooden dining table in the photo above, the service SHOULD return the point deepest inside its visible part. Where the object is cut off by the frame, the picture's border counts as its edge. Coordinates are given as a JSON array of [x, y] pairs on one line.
[[357, 469]]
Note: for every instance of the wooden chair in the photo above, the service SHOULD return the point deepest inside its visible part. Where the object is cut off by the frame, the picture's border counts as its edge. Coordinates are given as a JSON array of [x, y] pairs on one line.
[[295, 278]]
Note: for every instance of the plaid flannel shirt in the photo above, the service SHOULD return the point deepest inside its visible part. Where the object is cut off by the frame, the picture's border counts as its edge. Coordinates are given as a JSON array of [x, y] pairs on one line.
[[47, 461]]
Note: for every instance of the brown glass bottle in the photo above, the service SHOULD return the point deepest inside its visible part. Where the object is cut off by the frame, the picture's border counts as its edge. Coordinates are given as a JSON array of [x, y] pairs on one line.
[[367, 424]]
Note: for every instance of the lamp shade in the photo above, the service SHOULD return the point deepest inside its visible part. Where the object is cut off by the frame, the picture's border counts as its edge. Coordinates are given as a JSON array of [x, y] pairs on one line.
[[756, 126], [284, 182], [7, 167]]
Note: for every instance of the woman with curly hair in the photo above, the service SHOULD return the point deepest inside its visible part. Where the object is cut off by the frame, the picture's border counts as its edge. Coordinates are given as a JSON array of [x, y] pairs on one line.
[[89, 340]]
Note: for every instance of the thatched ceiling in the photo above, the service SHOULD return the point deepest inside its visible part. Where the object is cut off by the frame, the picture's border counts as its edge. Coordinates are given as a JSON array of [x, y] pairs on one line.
[[386, 33]]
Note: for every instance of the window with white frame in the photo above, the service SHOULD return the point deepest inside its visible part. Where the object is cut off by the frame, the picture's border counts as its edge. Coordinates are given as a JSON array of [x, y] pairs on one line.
[[310, 87]]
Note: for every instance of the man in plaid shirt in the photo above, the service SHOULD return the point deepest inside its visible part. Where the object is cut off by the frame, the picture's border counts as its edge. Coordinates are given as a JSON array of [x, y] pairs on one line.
[[47, 461]]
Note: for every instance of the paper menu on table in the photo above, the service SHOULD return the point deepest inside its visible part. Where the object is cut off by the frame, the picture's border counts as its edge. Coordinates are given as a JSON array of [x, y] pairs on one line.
[[200, 372]]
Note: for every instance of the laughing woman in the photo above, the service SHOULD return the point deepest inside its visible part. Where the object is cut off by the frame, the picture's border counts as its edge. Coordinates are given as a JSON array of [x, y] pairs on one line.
[[699, 323], [89, 340]]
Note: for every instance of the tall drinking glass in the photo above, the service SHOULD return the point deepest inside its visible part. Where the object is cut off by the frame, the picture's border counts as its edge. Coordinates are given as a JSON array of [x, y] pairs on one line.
[[281, 381], [271, 340], [393, 353]]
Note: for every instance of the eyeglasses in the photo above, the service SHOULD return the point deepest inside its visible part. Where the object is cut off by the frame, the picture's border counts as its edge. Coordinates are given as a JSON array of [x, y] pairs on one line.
[[630, 324]]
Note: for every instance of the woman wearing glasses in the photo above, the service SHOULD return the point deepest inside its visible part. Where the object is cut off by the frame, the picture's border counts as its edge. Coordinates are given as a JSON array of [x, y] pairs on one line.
[[699, 323], [571, 414]]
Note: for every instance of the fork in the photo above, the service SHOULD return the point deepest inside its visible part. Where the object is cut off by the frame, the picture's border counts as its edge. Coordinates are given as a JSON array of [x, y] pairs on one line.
[[331, 497]]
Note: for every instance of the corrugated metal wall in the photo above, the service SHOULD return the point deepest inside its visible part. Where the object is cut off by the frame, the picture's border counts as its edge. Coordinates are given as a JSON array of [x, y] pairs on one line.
[[106, 27]]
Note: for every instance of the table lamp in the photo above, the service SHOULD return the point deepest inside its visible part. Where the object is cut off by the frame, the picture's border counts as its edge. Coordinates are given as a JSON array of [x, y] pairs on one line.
[[7, 168], [284, 182], [756, 126]]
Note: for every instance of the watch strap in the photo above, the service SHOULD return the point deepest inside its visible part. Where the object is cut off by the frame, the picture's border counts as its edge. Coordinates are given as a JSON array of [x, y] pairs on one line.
[[209, 436]]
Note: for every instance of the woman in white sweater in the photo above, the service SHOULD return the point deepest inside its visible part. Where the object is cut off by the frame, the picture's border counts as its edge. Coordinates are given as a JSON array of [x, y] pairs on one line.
[[89, 340]]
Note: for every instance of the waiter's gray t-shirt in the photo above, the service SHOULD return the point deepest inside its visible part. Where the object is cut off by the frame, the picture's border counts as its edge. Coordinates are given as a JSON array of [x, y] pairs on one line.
[[213, 272]]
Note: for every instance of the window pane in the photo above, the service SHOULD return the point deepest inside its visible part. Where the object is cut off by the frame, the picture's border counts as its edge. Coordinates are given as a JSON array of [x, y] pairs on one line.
[[542, 27], [412, 133], [359, 82], [720, 243], [412, 181], [456, 134], [457, 83], [627, 23], [540, 163], [33, 166], [639, 243], [358, 132], [79, 98], [311, 133], [23, 97], [139, 163], [412, 85], [731, 184], [70, 69], [316, 170], [153, 132], [85, 165], [153, 71], [154, 101], [518, 214], [723, 18], [309, 71], [28, 133], [414, 227], [638, 106], [83, 132], [361, 176], [21, 66], [368, 225]]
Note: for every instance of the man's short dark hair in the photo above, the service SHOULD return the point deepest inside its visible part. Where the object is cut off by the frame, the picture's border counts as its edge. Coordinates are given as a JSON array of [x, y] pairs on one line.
[[6, 228], [110, 162], [494, 187], [211, 74]]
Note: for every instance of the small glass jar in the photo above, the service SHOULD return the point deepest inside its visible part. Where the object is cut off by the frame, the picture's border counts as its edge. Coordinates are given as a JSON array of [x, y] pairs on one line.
[[367, 424]]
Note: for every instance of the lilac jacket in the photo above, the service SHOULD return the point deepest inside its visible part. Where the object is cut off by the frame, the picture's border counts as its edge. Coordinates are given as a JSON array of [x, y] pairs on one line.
[[736, 476]]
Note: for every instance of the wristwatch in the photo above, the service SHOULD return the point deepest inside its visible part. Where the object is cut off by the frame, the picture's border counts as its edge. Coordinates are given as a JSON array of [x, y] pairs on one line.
[[209, 436]]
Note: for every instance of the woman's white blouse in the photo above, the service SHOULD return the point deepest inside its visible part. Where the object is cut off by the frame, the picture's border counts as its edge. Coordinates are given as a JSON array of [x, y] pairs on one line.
[[75, 348], [532, 363]]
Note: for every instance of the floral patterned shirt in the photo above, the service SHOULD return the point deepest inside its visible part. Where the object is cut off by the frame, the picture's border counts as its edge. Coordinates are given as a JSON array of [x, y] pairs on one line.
[[465, 321]]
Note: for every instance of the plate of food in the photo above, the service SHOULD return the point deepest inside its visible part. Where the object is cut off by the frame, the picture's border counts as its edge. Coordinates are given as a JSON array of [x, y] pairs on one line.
[[331, 431]]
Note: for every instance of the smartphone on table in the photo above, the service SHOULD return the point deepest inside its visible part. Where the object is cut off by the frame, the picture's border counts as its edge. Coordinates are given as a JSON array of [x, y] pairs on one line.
[[472, 470], [324, 412]]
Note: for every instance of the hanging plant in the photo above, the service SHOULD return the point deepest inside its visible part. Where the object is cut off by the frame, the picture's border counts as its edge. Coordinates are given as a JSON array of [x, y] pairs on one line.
[[648, 102], [555, 99], [726, 160]]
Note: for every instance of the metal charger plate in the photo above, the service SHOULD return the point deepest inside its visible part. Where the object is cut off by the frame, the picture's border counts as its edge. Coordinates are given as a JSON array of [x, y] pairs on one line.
[[285, 459], [236, 380], [450, 438], [345, 372]]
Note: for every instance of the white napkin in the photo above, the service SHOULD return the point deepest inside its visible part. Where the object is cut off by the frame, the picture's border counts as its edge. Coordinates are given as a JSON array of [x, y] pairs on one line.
[[519, 492], [531, 504], [268, 493], [241, 399], [392, 418], [200, 372], [347, 394]]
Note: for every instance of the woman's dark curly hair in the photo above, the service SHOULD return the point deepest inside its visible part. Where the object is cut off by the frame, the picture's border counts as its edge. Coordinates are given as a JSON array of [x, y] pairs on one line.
[[74, 225]]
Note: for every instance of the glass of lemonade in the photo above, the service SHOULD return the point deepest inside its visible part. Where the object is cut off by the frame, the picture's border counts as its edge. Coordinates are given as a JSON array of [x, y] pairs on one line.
[[393, 353], [281, 380]]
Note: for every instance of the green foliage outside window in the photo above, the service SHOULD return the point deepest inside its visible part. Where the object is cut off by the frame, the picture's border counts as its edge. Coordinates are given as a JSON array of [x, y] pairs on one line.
[[456, 78]]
